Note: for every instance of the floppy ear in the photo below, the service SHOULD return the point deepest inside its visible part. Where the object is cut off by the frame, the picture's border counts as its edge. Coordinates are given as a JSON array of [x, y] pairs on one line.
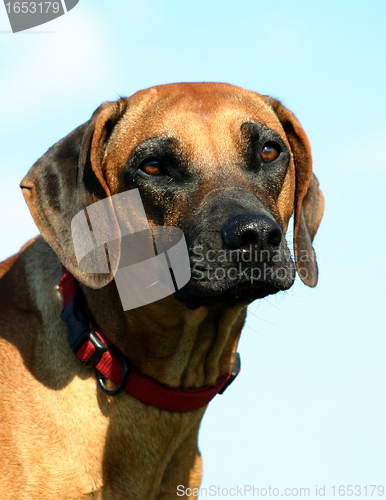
[[309, 201], [66, 180]]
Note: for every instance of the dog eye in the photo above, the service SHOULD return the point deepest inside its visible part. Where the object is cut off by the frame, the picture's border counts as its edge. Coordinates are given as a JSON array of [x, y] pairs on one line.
[[151, 167], [270, 152]]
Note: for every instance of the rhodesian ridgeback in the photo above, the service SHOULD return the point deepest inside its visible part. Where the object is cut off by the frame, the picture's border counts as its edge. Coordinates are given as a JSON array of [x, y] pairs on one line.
[[226, 166]]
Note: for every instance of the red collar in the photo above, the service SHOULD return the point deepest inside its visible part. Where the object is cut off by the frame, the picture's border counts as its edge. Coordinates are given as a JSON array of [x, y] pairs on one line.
[[95, 351]]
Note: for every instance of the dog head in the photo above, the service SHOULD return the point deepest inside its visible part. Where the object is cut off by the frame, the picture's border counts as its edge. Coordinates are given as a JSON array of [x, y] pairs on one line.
[[227, 166]]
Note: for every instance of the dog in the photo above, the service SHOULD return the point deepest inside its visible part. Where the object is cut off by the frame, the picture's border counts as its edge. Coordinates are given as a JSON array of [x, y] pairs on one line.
[[226, 166]]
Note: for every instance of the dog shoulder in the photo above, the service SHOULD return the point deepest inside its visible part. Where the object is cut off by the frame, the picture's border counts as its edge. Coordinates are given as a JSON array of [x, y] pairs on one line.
[[29, 297]]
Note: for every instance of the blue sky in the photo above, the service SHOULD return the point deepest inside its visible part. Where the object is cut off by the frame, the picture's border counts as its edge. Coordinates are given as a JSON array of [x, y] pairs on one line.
[[309, 405]]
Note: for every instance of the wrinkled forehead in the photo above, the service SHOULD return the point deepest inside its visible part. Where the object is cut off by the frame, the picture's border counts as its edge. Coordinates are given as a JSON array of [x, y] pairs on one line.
[[205, 119]]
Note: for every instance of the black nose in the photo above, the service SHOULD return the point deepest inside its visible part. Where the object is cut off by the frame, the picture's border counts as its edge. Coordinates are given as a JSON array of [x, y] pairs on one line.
[[258, 230]]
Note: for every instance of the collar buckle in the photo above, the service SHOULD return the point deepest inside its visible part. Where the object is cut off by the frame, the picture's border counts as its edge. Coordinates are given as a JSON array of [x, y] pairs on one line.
[[80, 331]]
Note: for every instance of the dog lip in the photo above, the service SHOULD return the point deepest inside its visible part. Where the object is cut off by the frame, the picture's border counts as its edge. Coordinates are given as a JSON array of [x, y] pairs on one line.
[[241, 293], [212, 292]]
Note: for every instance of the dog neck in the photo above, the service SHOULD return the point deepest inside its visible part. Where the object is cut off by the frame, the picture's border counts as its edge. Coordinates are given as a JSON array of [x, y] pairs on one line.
[[168, 342]]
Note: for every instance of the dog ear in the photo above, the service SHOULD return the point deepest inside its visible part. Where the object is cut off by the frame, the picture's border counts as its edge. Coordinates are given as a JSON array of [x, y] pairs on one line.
[[66, 180], [309, 201]]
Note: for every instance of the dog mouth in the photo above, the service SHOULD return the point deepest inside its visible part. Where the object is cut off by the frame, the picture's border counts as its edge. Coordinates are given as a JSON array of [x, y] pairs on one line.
[[235, 283], [241, 293], [236, 276]]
